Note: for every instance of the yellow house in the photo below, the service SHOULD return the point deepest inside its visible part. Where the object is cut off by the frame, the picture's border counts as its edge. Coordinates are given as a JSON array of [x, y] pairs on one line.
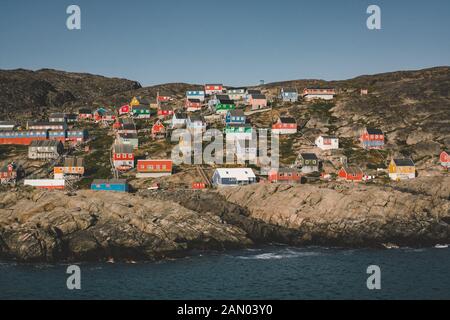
[[134, 102], [402, 169]]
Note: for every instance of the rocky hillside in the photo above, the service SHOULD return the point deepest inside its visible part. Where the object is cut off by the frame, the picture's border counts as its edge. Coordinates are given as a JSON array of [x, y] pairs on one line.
[[24, 92], [55, 226]]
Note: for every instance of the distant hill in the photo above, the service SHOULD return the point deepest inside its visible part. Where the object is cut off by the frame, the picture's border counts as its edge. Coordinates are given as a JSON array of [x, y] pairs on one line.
[[31, 92]]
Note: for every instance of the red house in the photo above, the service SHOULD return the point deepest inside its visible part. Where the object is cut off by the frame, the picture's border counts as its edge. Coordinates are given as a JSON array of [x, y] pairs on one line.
[[165, 111], [285, 125], [154, 168], [351, 173], [158, 129], [126, 109], [284, 175], [199, 185], [372, 138], [163, 97], [85, 114], [193, 104], [123, 157], [211, 89], [445, 159]]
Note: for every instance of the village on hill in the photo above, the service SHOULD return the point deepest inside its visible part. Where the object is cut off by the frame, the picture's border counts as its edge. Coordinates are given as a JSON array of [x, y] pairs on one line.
[[127, 148]]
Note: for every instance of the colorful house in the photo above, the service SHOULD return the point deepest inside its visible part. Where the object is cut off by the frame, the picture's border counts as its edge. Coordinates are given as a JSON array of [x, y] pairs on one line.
[[236, 94], [308, 162], [57, 135], [228, 177], [223, 106], [198, 95], [128, 138], [239, 132], [77, 136], [45, 150], [165, 111], [251, 92], [372, 138], [102, 114], [85, 114], [57, 117], [163, 97], [285, 125], [193, 105], [42, 125], [258, 101], [10, 172], [7, 125], [402, 169], [211, 89], [123, 157], [317, 93], [351, 173], [289, 95], [158, 130], [73, 166], [135, 102], [154, 168], [51, 184], [141, 112], [444, 158], [327, 143], [116, 185], [22, 137], [235, 117], [284, 175], [123, 110], [127, 128]]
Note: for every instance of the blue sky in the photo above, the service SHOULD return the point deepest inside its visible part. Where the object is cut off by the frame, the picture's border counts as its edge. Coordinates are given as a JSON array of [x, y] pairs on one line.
[[234, 42]]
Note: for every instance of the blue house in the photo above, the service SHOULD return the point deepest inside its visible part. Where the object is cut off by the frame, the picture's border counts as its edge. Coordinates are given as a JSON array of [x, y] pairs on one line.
[[228, 177], [289, 95], [117, 185], [236, 116], [200, 95]]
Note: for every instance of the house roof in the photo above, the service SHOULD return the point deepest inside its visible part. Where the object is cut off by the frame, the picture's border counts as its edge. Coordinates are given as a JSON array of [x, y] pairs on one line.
[[287, 120], [112, 181], [253, 91], [225, 101], [237, 173], [58, 115], [45, 123], [85, 111], [285, 170], [128, 135], [196, 117], [290, 90], [129, 126], [374, 131], [404, 162], [44, 143], [141, 107], [237, 113], [180, 115], [213, 84], [329, 137], [194, 100], [74, 162], [353, 170], [308, 156], [222, 97], [123, 148], [259, 96], [165, 107]]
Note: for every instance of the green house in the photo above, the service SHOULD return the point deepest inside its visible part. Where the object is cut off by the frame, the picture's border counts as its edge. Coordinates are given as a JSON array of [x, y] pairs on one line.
[[141, 112], [223, 106]]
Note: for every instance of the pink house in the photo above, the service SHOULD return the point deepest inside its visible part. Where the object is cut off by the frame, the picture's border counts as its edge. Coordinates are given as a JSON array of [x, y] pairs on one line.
[[258, 101]]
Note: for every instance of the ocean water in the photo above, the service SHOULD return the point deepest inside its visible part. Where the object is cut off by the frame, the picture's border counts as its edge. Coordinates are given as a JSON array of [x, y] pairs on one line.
[[274, 272]]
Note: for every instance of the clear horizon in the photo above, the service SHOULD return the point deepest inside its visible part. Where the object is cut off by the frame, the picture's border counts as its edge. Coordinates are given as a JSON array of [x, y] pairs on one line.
[[239, 44]]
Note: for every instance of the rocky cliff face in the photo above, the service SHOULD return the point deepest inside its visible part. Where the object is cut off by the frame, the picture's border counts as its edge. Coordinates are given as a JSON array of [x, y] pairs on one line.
[[49, 226], [52, 226], [354, 215]]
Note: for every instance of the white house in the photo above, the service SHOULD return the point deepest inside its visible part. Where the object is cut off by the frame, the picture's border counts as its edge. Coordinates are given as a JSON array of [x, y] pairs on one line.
[[179, 120], [224, 177], [323, 94], [327, 142], [196, 123]]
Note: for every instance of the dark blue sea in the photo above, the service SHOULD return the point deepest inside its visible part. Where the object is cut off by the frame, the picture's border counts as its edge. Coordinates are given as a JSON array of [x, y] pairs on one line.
[[266, 273]]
